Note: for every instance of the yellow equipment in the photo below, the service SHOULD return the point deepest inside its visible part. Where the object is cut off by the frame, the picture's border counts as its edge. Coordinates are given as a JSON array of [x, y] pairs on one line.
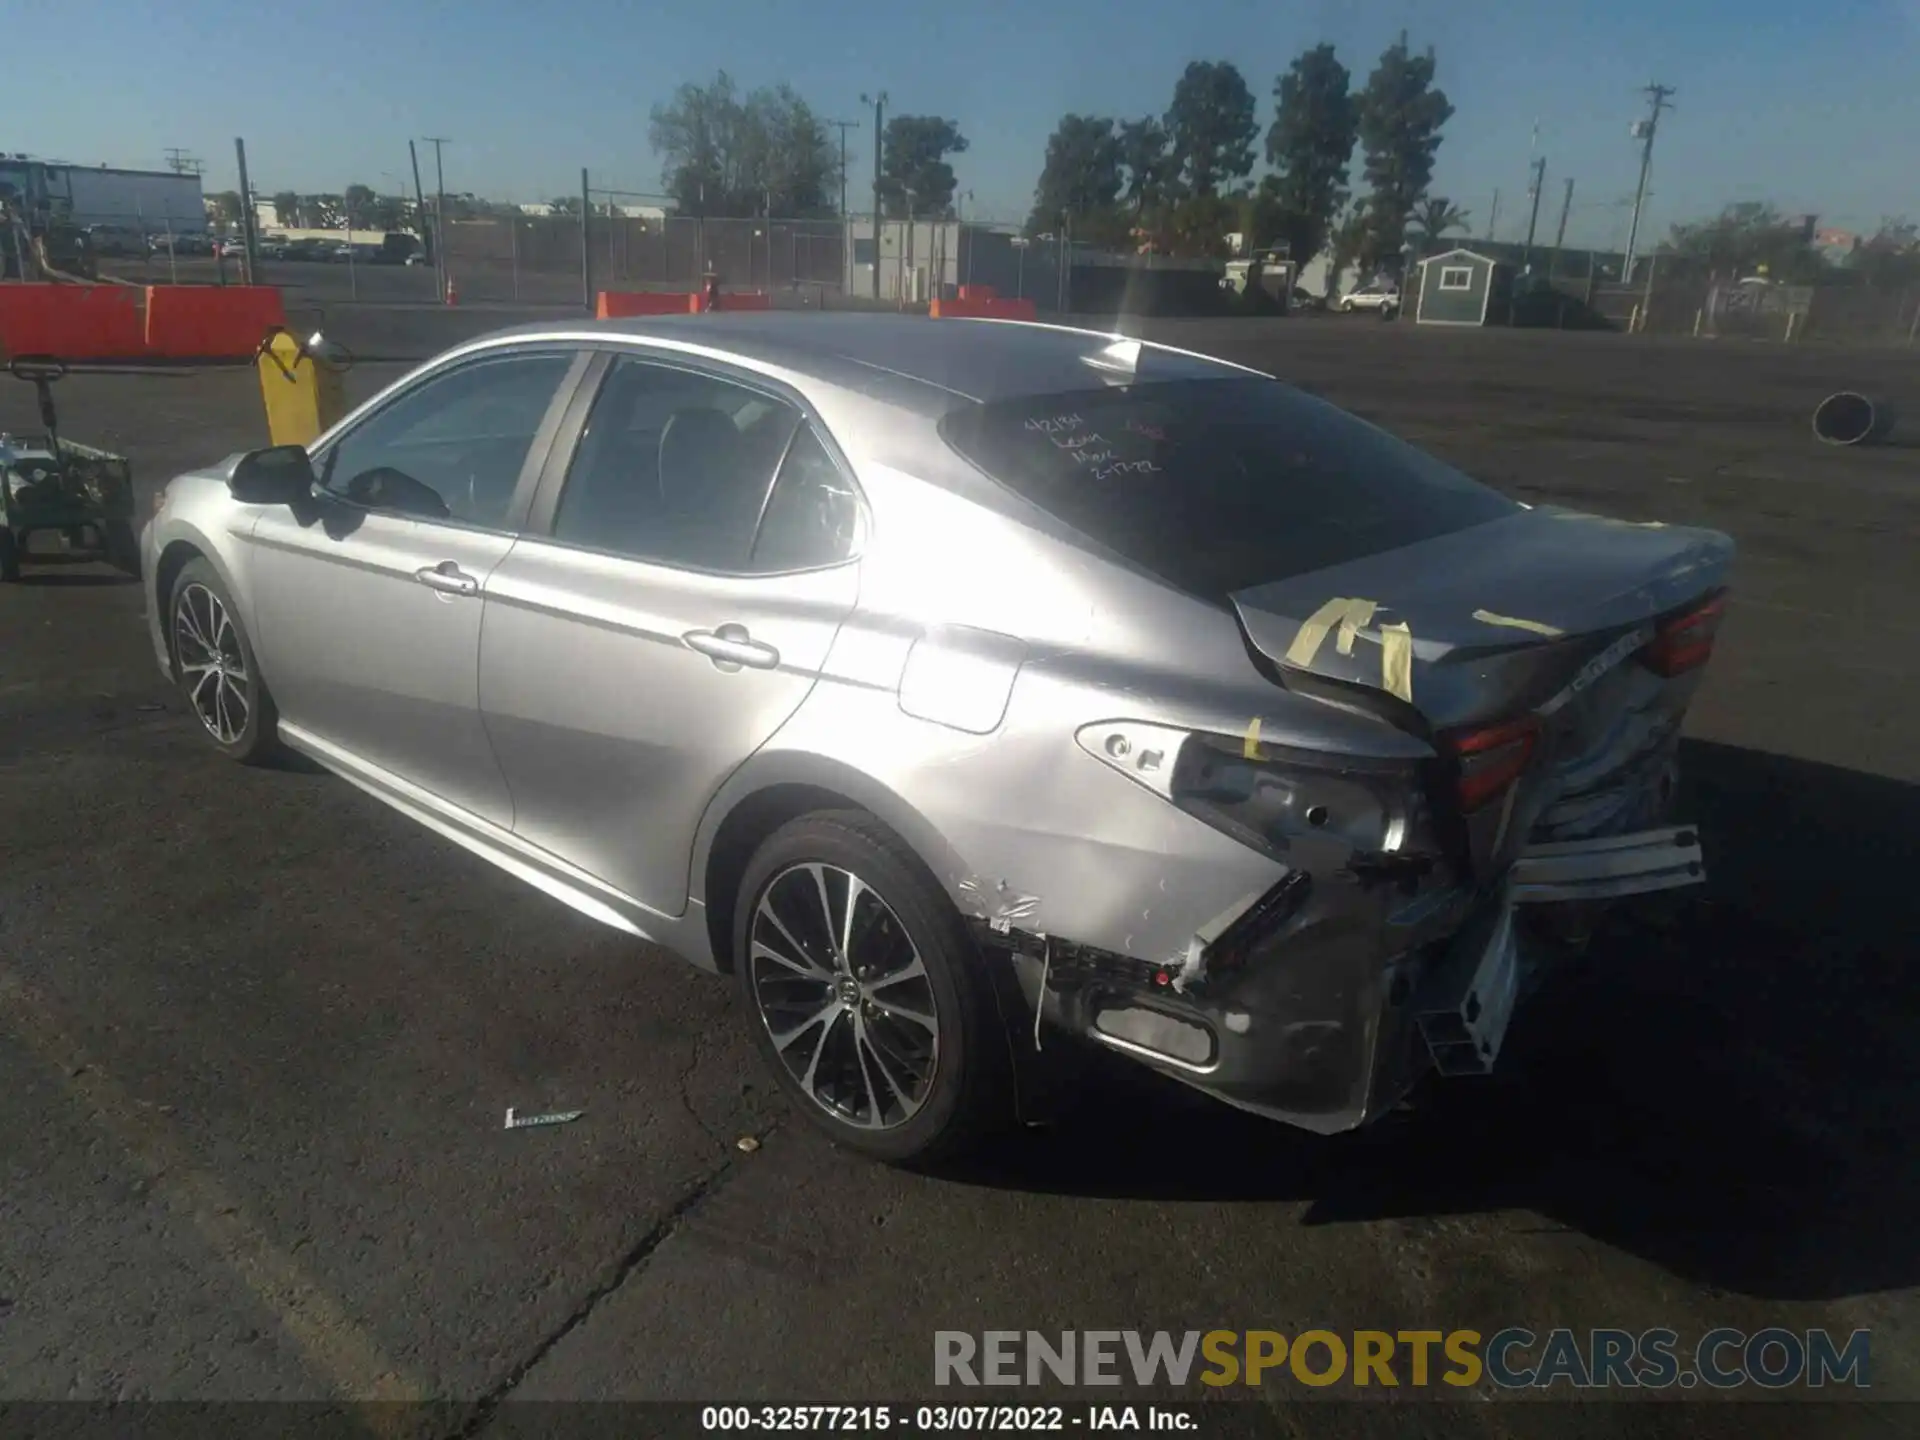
[[303, 383]]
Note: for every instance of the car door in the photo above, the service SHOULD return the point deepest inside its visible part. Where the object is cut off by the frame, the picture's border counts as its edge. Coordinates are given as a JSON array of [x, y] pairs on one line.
[[368, 599], [686, 567]]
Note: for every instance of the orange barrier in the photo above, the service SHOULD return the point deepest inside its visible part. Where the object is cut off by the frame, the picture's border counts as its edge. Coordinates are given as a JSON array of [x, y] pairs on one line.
[[620, 304], [979, 292], [74, 322], [981, 310], [732, 300], [210, 322]]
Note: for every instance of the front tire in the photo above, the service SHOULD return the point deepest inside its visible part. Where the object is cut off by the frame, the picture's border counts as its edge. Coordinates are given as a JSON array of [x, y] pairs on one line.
[[218, 675], [866, 992]]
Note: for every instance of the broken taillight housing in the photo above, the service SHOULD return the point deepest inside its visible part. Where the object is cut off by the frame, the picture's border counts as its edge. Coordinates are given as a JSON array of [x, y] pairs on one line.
[[1490, 760], [1685, 642], [1282, 794]]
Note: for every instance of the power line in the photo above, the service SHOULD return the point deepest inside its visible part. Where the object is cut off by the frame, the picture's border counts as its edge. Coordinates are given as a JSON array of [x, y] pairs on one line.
[[1658, 96]]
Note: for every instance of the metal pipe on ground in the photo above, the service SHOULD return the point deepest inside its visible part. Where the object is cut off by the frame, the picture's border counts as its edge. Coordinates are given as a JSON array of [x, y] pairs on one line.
[[1848, 418]]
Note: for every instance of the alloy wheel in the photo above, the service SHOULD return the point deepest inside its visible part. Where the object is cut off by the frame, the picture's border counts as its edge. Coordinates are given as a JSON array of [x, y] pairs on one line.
[[213, 666], [844, 995]]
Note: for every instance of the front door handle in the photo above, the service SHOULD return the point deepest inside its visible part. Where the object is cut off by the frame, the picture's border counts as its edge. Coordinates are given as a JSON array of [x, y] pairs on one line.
[[731, 647], [448, 578]]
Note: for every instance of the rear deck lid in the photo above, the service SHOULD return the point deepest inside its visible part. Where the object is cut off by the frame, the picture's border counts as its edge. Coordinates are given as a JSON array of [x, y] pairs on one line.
[[1466, 625]]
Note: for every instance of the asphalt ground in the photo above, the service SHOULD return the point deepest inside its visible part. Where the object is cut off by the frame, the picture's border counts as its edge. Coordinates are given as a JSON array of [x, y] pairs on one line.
[[257, 1033]]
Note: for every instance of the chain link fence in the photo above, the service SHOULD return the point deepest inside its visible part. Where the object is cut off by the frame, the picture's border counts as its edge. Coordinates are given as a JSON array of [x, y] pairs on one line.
[[555, 259]]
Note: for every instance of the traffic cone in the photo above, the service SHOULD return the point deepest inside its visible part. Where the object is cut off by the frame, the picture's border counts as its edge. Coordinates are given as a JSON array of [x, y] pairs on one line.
[[453, 292]]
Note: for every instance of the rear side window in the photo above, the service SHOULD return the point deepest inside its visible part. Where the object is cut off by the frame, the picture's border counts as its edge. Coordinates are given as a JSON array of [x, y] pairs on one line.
[[1219, 485]]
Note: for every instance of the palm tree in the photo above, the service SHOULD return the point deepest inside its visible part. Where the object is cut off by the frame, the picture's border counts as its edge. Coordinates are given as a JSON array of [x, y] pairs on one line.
[[1436, 215]]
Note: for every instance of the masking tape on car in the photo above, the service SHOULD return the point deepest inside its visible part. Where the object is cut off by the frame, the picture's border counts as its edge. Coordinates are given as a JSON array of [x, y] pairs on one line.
[[1487, 617], [1349, 615], [1396, 661], [1251, 749]]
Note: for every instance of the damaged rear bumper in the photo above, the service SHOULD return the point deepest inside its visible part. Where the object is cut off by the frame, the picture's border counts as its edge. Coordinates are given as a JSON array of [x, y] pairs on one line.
[[1322, 1007]]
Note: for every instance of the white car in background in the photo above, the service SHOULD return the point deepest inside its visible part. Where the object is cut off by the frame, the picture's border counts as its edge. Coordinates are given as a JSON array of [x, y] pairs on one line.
[[1380, 296]]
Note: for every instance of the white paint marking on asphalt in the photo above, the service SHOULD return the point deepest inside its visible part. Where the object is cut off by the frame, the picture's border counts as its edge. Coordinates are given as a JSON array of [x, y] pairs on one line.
[[338, 1350]]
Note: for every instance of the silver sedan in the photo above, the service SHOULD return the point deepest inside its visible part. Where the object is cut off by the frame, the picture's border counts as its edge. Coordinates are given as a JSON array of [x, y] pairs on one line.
[[959, 684]]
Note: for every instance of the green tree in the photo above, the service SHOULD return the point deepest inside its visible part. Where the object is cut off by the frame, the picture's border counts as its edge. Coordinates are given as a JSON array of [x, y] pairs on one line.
[[1149, 168], [1401, 114], [914, 162], [1198, 225], [564, 205], [1080, 180], [1890, 256], [1750, 238], [286, 209], [1345, 242], [727, 154], [1210, 126], [1310, 144], [224, 207], [1433, 217], [357, 201]]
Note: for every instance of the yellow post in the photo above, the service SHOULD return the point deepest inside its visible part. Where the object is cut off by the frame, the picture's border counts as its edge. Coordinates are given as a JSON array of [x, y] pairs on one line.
[[303, 387]]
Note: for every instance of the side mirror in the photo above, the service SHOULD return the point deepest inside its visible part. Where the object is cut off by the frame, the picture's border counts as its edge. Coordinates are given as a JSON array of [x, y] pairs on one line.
[[278, 475]]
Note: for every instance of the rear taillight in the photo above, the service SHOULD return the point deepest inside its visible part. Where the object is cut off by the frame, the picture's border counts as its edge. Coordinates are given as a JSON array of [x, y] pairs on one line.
[[1685, 643], [1490, 760]]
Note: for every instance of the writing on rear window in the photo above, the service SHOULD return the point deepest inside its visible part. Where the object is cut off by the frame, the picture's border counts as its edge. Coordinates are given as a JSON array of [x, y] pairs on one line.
[[1219, 484]]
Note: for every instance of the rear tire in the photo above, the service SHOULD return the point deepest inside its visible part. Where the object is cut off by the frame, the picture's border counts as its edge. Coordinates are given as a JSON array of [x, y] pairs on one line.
[[888, 1036], [218, 675]]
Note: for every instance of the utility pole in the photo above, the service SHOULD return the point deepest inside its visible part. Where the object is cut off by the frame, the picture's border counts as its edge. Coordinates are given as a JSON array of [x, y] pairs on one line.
[[1493, 217], [439, 213], [249, 247], [586, 247], [1560, 235], [879, 103], [1533, 220], [420, 210], [181, 163], [1658, 96]]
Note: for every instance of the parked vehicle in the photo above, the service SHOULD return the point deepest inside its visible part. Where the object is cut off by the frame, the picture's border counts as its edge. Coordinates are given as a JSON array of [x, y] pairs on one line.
[[926, 676], [309, 249], [116, 241], [1379, 296], [185, 242]]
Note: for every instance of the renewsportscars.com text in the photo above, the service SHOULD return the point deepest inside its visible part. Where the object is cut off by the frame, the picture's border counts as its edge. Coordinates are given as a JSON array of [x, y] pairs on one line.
[[1514, 1358]]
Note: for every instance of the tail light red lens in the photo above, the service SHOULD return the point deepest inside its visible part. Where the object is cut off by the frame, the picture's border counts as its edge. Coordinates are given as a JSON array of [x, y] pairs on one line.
[[1492, 759], [1685, 643]]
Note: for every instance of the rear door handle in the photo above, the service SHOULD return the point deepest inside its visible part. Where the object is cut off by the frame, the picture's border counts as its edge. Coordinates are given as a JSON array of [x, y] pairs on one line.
[[448, 578], [731, 647]]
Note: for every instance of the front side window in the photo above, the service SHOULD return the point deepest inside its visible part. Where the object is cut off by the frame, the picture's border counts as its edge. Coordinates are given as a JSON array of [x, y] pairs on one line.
[[1456, 277], [1219, 485], [673, 468], [452, 448]]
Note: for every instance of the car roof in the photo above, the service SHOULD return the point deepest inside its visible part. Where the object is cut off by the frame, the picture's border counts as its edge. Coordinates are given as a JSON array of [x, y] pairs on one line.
[[967, 359]]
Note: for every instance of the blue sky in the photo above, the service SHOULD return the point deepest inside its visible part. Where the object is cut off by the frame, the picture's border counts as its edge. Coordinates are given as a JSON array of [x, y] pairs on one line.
[[1815, 106]]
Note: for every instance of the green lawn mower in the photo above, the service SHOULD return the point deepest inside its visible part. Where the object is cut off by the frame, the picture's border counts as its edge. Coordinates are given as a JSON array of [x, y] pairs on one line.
[[52, 485]]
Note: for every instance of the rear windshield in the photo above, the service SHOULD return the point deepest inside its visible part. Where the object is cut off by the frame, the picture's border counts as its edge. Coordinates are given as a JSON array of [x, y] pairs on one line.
[[1219, 485]]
